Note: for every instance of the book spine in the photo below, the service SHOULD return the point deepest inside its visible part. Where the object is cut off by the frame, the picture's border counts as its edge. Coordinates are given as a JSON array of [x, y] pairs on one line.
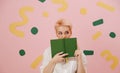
[[64, 46]]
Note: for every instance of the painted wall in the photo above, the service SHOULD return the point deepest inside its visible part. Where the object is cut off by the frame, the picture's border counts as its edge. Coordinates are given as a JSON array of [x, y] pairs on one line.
[[26, 27]]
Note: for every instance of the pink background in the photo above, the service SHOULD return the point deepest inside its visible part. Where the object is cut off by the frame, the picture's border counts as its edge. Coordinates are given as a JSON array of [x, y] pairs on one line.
[[34, 45]]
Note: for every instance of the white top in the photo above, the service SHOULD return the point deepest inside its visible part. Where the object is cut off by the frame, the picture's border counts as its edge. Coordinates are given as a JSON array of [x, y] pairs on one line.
[[69, 67]]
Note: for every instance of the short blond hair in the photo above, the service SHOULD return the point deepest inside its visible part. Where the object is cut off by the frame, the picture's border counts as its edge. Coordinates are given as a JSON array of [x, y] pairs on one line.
[[63, 22]]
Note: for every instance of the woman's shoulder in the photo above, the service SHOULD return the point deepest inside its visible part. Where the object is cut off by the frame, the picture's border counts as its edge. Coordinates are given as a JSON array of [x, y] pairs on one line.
[[47, 51]]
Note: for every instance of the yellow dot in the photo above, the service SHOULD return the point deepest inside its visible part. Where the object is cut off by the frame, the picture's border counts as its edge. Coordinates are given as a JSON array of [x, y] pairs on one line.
[[83, 11], [45, 14]]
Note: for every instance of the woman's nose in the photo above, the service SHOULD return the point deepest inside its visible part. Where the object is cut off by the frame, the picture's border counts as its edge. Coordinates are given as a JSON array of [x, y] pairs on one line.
[[64, 36]]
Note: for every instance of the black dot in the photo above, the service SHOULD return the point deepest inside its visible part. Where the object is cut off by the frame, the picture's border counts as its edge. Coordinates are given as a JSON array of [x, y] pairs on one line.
[[42, 1], [22, 52], [34, 30], [112, 35]]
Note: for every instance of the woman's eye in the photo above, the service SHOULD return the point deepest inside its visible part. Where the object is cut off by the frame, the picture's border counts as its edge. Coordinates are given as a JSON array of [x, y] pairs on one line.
[[60, 33], [66, 32]]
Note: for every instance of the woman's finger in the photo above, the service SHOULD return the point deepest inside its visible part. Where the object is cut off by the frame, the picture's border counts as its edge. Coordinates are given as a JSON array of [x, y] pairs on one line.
[[63, 55], [60, 53]]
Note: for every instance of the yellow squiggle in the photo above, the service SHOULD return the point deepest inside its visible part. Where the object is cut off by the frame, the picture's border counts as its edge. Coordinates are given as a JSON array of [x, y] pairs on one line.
[[14, 25], [63, 3], [36, 61], [110, 57]]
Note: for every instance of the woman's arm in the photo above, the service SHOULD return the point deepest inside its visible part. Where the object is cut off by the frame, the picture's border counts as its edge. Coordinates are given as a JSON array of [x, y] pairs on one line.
[[56, 59], [50, 67], [80, 66]]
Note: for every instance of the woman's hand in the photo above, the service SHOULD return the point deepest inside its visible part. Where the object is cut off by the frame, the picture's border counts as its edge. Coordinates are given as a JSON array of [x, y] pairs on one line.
[[59, 57], [78, 54]]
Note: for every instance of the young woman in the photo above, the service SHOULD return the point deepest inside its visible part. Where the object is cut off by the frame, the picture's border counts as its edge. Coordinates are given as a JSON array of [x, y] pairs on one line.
[[57, 64]]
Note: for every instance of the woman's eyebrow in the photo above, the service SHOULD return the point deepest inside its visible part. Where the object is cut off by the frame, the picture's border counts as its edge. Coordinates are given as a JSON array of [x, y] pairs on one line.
[[66, 31], [59, 31]]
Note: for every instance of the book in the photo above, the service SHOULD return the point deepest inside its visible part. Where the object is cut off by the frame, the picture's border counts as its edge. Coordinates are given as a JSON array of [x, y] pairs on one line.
[[66, 45]]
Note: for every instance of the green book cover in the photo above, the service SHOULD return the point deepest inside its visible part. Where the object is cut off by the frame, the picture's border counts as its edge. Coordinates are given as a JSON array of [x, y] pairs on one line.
[[67, 45]]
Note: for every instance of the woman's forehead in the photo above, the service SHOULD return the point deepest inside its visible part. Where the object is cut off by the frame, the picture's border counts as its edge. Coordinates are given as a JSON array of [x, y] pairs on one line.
[[63, 28]]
